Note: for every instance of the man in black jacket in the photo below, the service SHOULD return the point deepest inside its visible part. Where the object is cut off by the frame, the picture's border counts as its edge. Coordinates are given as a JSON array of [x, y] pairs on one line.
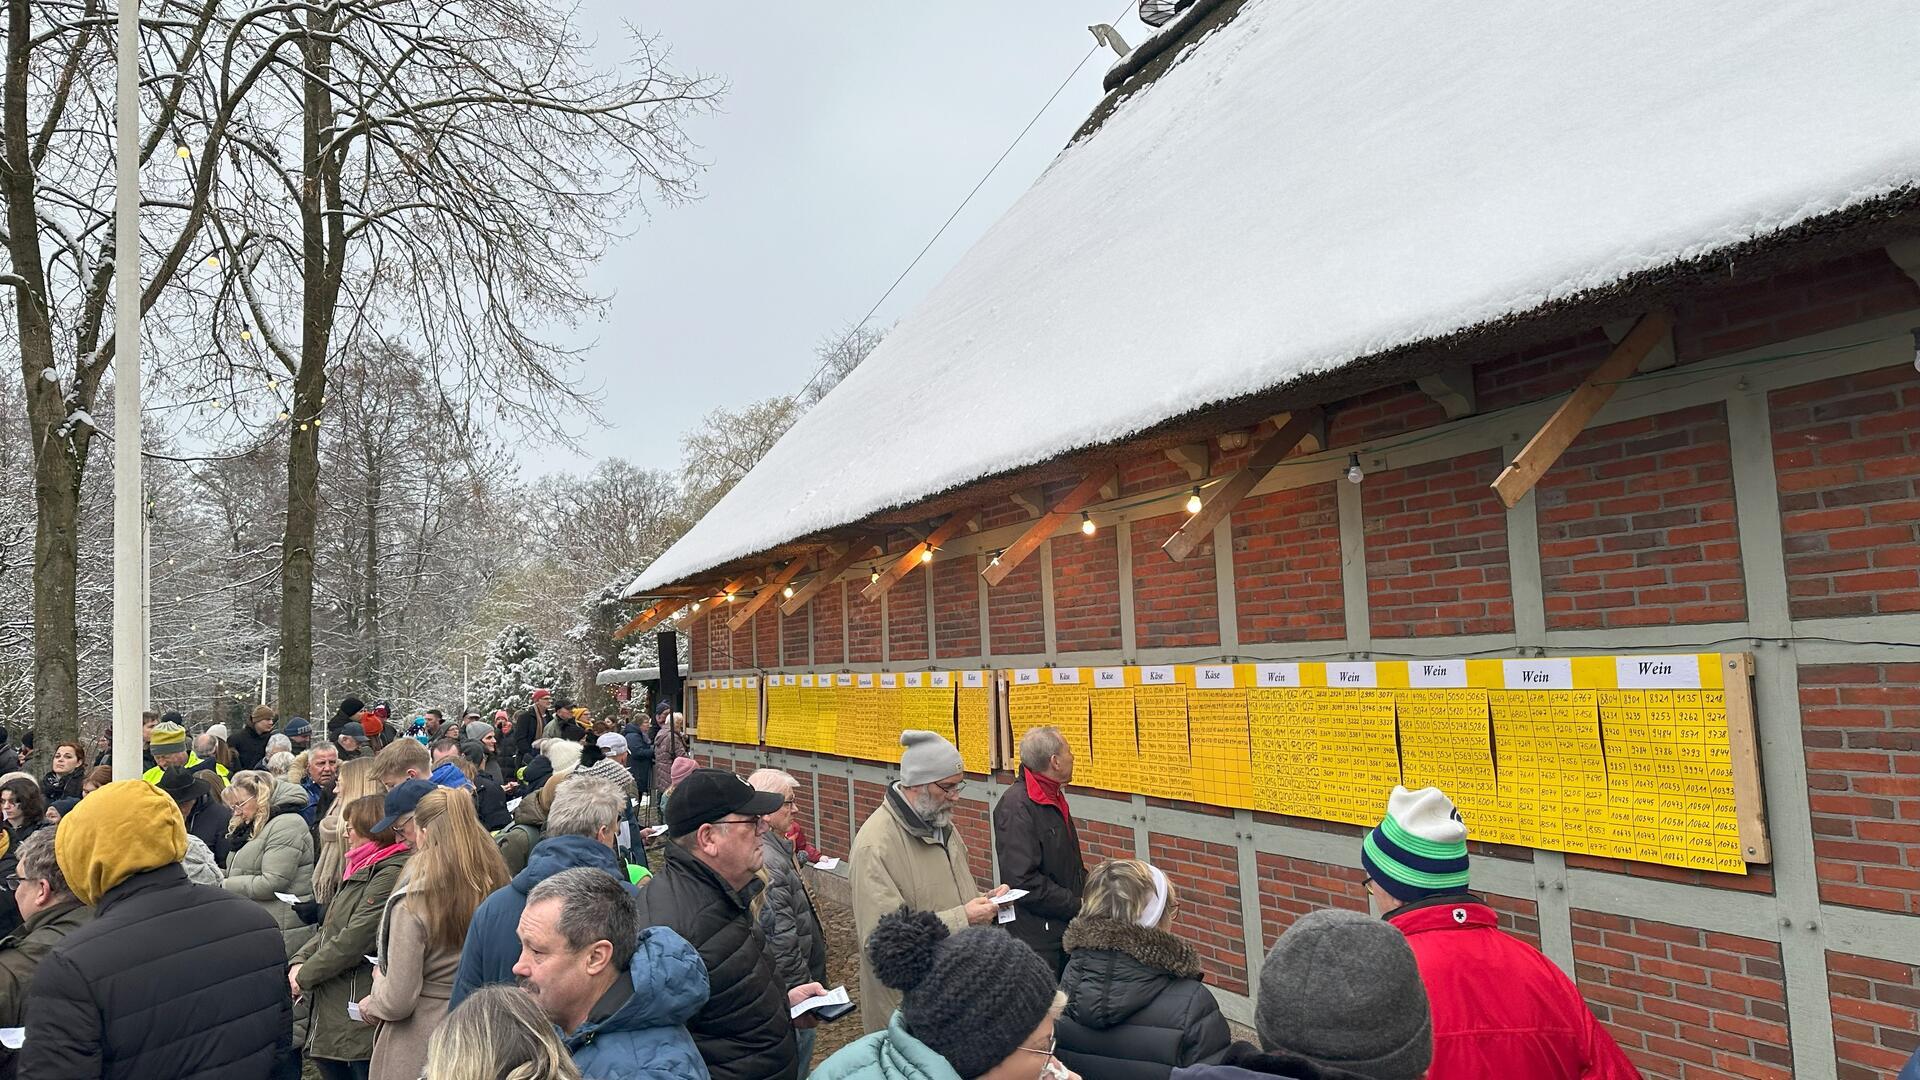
[[703, 891], [1038, 846], [250, 742], [206, 816], [171, 979]]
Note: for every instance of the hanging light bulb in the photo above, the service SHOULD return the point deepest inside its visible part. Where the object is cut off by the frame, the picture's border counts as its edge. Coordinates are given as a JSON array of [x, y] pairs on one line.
[[1916, 348], [283, 414], [1193, 500], [183, 150], [875, 576], [995, 561], [696, 605], [1354, 473], [926, 555], [246, 335], [213, 262], [1086, 524], [316, 423], [787, 592], [729, 598], [273, 384]]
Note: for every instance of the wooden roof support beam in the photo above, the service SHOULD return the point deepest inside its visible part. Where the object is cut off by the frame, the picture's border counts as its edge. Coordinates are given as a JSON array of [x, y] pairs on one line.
[[651, 617], [1189, 537], [831, 571], [914, 555], [1452, 387], [1573, 415], [705, 605], [774, 584], [1190, 456], [1083, 494]]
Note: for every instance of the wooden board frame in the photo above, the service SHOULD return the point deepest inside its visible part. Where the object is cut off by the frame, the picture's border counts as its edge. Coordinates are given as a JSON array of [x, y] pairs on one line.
[[1749, 795]]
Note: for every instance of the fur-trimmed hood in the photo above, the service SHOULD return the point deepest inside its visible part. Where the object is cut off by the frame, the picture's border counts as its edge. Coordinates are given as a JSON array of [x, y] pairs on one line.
[[1155, 949]]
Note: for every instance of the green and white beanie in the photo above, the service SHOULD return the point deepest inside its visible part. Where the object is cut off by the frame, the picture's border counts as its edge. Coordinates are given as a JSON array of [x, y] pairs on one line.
[[1420, 850]]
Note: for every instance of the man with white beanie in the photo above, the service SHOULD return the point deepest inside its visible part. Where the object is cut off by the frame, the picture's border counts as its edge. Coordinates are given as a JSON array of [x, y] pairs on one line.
[[1500, 1008], [908, 854]]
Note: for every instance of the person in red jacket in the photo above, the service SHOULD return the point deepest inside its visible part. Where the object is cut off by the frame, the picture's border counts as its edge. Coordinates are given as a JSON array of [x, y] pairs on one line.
[[1500, 1008]]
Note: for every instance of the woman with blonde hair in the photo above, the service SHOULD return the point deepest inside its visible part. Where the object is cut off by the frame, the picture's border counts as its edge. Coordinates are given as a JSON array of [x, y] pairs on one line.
[[1136, 1008], [498, 1034], [329, 866], [277, 858], [455, 864]]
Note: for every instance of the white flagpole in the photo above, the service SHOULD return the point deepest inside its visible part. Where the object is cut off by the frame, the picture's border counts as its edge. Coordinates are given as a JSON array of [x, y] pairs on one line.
[[129, 578]]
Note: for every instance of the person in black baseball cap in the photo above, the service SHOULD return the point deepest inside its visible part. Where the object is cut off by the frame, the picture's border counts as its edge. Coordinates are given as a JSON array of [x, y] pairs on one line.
[[400, 804], [709, 796]]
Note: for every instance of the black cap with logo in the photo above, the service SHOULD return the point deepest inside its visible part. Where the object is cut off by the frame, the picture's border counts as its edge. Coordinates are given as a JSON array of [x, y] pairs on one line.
[[709, 795]]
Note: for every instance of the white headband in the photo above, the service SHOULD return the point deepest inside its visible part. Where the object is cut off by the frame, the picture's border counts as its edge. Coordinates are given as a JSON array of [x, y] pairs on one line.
[[1150, 918]]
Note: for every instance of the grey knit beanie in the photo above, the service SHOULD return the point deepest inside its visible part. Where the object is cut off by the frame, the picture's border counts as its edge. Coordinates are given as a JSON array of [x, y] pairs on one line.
[[1342, 989], [973, 997], [926, 758], [478, 729]]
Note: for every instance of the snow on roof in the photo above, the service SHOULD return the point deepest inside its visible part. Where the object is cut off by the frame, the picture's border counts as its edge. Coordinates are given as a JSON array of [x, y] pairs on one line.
[[1323, 180]]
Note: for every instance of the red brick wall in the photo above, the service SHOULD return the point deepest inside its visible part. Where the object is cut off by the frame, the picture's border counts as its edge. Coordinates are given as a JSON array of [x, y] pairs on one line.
[[829, 648], [1518, 916], [1554, 367], [1800, 302], [1860, 724], [956, 607], [766, 636], [907, 619], [867, 797], [1874, 1017], [1100, 841], [837, 823], [1682, 1002], [1208, 878], [863, 626], [1290, 888], [803, 804], [738, 643], [699, 638], [1286, 566], [1174, 603], [1155, 472], [973, 819], [1437, 549], [1389, 410], [1847, 453], [1086, 592], [1014, 611], [793, 638], [1637, 525]]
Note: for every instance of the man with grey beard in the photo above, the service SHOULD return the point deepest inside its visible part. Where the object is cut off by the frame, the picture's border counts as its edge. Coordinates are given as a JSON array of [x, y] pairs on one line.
[[908, 854]]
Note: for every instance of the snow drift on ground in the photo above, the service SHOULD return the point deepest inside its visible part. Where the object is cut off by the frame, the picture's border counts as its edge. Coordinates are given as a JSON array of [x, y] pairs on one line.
[[1324, 179]]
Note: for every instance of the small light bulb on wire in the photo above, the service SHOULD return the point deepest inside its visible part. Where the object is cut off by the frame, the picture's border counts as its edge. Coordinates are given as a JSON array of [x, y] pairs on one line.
[[729, 598], [1086, 524], [183, 150], [926, 555], [696, 605], [1193, 500], [874, 577], [995, 561], [787, 592], [213, 262], [1916, 348], [246, 335], [283, 414], [1354, 473]]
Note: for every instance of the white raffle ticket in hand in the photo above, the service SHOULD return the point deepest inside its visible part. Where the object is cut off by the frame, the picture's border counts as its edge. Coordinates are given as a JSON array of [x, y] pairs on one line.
[[835, 996], [353, 1011], [826, 864], [1005, 900], [656, 830], [13, 1038], [286, 898]]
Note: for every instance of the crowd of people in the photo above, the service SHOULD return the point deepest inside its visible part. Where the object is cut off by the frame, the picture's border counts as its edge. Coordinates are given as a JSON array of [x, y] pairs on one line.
[[367, 909]]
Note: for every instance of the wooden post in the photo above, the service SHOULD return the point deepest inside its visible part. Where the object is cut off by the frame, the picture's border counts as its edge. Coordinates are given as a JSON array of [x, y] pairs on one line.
[[834, 567], [773, 586], [1572, 417], [1083, 493], [1199, 528], [651, 617], [1749, 797], [904, 565]]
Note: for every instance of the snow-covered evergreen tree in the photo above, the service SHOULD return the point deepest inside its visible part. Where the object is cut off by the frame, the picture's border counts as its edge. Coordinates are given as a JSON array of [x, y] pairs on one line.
[[517, 665]]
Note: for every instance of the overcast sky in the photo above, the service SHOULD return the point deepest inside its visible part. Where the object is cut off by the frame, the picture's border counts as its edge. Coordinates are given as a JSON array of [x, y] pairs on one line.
[[848, 133]]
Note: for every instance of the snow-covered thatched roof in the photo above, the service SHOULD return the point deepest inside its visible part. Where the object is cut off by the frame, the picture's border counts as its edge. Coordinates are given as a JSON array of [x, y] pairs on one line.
[[1314, 182]]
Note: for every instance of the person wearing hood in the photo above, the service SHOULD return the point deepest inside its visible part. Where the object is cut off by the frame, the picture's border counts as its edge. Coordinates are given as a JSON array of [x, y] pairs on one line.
[[279, 853], [972, 1004], [1500, 1007], [170, 978], [250, 743], [582, 828], [332, 969], [528, 827], [206, 816], [620, 995], [1340, 998], [1136, 1006]]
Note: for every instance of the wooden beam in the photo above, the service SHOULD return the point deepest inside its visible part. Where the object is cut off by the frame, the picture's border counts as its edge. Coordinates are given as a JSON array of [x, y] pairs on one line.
[[651, 617], [1749, 796], [904, 565], [1452, 387], [1190, 456], [1031, 500], [1214, 509], [1572, 417], [767, 592], [834, 567], [1082, 495]]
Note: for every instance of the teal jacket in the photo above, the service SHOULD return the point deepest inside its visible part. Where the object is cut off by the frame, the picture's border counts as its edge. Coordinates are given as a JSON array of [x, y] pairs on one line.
[[646, 1038], [888, 1054]]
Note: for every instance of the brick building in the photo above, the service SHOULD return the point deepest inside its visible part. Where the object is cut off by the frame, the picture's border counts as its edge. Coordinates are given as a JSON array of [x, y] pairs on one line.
[[1751, 483]]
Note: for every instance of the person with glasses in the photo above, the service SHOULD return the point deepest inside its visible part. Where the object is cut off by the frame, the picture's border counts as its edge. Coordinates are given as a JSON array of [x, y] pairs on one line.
[[51, 912], [908, 854], [974, 1005], [704, 891], [1039, 847]]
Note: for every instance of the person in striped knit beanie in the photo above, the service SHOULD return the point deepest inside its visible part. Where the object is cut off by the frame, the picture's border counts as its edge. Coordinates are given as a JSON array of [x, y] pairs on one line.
[[1499, 1007]]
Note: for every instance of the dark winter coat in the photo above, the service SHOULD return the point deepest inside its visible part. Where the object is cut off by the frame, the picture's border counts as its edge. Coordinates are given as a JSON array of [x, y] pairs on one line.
[[744, 1031], [333, 963], [517, 839], [667, 745], [787, 917], [1136, 1008], [21, 953], [1040, 852], [639, 755], [1244, 1061], [493, 938], [208, 818], [171, 980], [56, 786], [9, 862], [490, 803], [249, 748]]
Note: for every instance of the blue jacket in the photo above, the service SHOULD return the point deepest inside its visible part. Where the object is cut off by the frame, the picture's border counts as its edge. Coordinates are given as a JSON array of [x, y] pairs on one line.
[[892, 1053], [1912, 1069], [646, 1038], [449, 775], [493, 938]]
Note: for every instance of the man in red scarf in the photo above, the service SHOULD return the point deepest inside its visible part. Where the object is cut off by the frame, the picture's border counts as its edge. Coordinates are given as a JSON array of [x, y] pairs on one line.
[[1038, 846]]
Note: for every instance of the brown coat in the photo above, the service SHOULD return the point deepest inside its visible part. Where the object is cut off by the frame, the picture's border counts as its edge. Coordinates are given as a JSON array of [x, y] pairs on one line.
[[898, 860], [410, 998]]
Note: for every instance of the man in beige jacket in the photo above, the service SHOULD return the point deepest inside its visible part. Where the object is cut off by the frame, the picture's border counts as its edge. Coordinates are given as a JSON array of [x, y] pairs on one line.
[[909, 854]]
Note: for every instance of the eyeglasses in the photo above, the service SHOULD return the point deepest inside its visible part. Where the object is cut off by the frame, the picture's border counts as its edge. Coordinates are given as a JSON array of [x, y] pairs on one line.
[[757, 823], [952, 787], [1052, 1041]]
